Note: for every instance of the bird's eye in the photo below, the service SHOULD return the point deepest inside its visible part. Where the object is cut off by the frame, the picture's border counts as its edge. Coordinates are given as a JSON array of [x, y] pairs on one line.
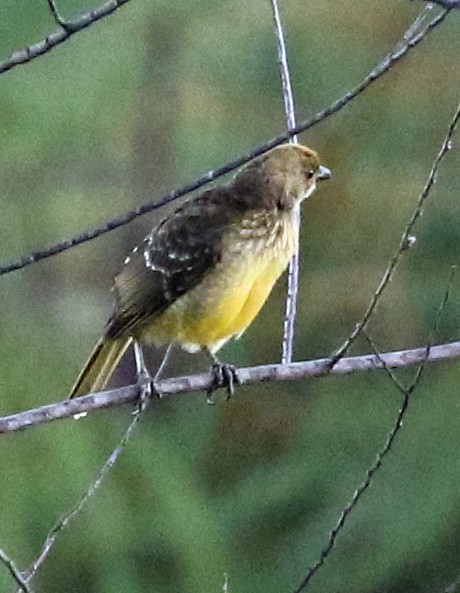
[[309, 174]]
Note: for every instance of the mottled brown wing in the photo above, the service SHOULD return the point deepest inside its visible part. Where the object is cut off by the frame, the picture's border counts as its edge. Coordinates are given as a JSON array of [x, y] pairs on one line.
[[172, 259]]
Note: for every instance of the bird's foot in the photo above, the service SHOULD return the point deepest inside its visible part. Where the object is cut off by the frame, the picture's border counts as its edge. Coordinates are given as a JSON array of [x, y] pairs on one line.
[[145, 381], [224, 375], [147, 389]]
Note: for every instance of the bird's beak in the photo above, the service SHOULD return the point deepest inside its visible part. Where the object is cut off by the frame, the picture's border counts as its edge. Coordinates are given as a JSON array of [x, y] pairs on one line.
[[323, 173]]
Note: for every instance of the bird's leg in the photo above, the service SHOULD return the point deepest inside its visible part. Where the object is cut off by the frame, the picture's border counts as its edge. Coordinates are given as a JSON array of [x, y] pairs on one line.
[[225, 375], [143, 377], [147, 383]]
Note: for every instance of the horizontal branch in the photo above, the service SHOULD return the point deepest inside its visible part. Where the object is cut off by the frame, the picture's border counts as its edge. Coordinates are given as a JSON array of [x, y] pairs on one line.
[[203, 382]]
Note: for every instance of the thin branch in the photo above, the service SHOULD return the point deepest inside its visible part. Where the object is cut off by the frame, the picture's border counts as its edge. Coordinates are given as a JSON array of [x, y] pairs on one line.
[[416, 26], [69, 28], [371, 472], [434, 332], [212, 175], [415, 381], [390, 372], [293, 273], [111, 460], [406, 240], [290, 312], [15, 573], [203, 382], [289, 109], [382, 360], [356, 497], [65, 520], [288, 97], [447, 3], [55, 12]]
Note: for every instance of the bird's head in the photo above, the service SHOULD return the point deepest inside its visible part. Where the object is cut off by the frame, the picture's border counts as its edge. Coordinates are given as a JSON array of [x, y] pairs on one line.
[[284, 176]]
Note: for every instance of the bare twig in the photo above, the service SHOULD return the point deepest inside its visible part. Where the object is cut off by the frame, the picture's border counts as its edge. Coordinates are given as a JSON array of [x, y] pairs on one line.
[[406, 240], [383, 362], [370, 473], [377, 361], [191, 383], [69, 28], [289, 109], [210, 176], [415, 381], [416, 26], [434, 331], [388, 369], [112, 459], [15, 573], [57, 17], [288, 97], [447, 3], [355, 498], [65, 520]]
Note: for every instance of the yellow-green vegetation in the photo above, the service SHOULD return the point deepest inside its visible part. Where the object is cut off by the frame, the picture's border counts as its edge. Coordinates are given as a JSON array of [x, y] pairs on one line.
[[134, 106]]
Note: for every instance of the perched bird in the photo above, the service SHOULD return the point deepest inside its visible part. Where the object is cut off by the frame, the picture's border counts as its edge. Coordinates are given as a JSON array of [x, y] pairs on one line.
[[203, 273]]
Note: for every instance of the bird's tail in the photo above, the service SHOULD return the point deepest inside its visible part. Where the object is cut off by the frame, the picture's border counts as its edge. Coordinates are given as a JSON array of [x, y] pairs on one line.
[[100, 366]]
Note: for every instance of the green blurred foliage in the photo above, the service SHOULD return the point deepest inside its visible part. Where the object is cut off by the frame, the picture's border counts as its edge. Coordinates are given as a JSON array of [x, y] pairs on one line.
[[136, 105]]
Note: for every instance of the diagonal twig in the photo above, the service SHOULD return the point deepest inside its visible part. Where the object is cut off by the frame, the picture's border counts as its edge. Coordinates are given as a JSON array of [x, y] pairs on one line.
[[418, 374], [57, 17], [15, 573], [374, 468], [447, 3], [104, 470], [66, 519], [212, 175], [69, 28], [434, 331], [370, 472], [406, 240]]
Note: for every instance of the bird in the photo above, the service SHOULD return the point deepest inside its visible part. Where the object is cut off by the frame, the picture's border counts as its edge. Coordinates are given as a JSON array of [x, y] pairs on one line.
[[201, 276]]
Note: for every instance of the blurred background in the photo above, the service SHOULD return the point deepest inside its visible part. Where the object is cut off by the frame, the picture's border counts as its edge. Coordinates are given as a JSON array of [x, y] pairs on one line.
[[133, 107]]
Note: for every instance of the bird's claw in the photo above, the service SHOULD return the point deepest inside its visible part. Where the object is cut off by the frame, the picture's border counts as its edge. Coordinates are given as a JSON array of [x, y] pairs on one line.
[[147, 389], [224, 375]]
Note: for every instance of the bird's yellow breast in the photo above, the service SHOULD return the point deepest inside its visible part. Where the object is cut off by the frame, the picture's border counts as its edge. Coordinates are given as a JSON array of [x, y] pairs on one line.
[[230, 295]]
